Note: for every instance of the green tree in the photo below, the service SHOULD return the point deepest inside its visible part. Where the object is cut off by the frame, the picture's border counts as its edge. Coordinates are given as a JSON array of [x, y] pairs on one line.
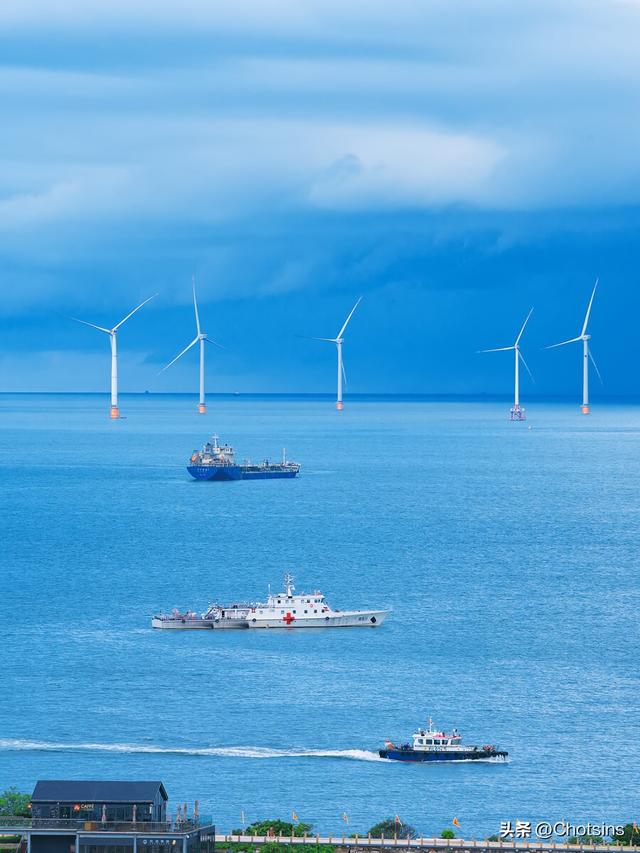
[[274, 827], [390, 827], [630, 835], [12, 802], [447, 833]]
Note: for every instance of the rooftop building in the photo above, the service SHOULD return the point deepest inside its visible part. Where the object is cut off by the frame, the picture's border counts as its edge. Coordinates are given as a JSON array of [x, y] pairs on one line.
[[73, 816]]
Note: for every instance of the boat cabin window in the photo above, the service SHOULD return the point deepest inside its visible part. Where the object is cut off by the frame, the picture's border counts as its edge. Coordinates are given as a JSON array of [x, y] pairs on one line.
[[429, 742]]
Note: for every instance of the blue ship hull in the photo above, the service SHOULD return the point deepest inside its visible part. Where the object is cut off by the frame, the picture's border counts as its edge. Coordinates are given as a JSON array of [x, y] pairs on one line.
[[236, 472], [268, 475], [215, 472], [462, 755]]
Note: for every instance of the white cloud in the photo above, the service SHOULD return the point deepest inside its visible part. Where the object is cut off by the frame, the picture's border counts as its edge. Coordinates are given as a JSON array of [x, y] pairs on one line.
[[403, 167], [146, 122]]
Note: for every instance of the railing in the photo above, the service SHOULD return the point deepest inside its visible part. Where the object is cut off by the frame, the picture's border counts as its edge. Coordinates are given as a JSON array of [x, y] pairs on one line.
[[366, 841], [142, 827]]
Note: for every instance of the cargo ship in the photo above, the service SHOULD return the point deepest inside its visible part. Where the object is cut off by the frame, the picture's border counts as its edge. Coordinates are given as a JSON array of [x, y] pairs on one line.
[[431, 745], [216, 461], [281, 610]]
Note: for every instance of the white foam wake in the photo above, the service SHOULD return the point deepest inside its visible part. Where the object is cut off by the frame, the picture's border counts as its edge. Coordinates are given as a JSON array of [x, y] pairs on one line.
[[9, 744]]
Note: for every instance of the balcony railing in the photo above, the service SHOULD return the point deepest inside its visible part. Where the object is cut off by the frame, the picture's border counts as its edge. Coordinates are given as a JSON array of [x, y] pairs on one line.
[[141, 827]]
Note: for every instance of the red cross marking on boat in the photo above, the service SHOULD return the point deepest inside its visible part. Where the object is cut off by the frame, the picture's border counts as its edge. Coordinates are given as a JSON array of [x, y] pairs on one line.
[[288, 619]]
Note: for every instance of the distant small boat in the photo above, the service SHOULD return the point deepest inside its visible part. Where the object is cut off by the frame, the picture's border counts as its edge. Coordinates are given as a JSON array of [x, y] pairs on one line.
[[431, 745], [216, 461]]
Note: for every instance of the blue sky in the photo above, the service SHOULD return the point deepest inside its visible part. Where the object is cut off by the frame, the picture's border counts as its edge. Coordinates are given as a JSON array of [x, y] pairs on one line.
[[453, 162]]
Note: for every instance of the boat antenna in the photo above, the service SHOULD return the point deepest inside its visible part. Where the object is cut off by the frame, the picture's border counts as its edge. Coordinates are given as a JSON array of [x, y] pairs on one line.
[[288, 582]]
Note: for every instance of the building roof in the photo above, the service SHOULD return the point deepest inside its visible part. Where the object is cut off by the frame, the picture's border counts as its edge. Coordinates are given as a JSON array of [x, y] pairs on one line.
[[80, 790]]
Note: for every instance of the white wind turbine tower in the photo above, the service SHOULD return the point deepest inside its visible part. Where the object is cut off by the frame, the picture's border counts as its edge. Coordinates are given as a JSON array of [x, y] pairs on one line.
[[586, 354], [516, 412], [200, 338], [114, 411], [338, 341]]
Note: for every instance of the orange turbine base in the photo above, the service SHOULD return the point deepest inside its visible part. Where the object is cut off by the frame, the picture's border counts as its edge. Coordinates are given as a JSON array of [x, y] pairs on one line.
[[585, 410], [201, 408], [340, 406], [114, 413]]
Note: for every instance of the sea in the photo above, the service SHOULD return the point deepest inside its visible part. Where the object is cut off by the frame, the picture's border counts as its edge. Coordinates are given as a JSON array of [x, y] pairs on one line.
[[508, 554]]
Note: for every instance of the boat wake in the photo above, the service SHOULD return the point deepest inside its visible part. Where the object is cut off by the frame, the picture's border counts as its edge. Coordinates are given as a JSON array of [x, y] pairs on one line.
[[255, 752]]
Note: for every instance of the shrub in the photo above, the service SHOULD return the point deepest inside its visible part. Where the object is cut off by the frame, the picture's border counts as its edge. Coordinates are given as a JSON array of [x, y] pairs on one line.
[[12, 802], [390, 827]]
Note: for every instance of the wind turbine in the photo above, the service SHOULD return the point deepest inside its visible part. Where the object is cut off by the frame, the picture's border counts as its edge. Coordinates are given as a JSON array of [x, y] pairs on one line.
[[200, 338], [114, 411], [517, 412], [586, 354], [338, 341]]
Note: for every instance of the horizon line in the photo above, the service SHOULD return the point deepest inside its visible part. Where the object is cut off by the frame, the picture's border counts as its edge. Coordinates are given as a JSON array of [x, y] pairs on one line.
[[362, 396]]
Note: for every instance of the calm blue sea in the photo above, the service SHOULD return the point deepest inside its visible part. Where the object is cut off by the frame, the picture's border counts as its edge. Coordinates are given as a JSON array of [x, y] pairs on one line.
[[508, 553]]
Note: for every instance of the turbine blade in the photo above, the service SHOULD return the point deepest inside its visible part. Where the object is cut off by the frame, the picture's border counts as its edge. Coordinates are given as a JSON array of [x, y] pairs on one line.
[[309, 338], [497, 349], [523, 327], [346, 322], [180, 354], [215, 343], [562, 343], [593, 362], [195, 305], [124, 320], [93, 325], [526, 365], [586, 319]]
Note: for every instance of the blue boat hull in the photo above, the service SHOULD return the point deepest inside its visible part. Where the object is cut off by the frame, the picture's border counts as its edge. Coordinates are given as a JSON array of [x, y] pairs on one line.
[[215, 472], [462, 755]]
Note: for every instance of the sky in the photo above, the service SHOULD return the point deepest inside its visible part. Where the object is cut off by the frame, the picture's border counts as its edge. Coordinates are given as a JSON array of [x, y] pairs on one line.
[[454, 162]]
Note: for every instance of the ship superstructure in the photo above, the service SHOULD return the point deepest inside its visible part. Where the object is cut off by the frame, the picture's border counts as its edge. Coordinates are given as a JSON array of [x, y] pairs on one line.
[[308, 610]]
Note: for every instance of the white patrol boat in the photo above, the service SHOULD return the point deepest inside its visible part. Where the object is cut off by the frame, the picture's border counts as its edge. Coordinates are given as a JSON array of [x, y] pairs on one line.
[[308, 610], [281, 610], [432, 745]]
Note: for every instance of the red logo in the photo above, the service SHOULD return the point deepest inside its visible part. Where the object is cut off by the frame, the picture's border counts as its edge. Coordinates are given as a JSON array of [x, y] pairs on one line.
[[288, 619]]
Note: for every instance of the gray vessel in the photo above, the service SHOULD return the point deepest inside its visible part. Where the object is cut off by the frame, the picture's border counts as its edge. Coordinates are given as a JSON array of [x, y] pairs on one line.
[[216, 616]]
